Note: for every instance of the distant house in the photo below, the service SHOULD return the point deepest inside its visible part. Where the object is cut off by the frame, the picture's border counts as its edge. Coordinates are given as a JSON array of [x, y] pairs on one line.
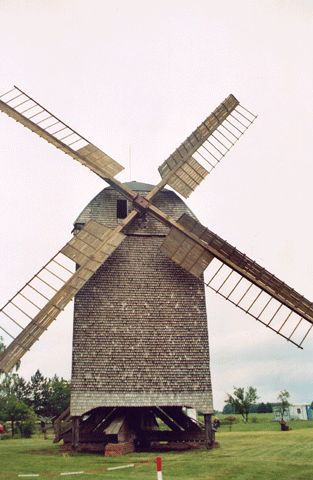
[[297, 411]]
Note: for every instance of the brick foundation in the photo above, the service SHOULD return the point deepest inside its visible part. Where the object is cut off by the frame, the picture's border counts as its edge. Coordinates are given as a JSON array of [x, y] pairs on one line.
[[116, 449]]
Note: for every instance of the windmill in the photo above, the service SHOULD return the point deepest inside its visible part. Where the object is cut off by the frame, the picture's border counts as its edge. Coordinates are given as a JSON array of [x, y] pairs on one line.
[[135, 266]]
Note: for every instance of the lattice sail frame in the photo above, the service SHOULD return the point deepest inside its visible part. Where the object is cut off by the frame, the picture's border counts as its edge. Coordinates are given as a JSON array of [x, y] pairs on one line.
[[20, 106], [203, 150], [34, 307], [241, 280]]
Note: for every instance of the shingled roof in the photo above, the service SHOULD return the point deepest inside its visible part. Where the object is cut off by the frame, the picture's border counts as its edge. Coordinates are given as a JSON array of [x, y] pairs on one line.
[[140, 327]]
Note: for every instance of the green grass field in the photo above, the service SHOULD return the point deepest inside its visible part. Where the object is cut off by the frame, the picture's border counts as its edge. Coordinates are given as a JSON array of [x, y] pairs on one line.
[[250, 451]]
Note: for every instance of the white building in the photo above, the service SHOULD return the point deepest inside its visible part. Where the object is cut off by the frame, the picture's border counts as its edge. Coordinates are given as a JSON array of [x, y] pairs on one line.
[[297, 411]]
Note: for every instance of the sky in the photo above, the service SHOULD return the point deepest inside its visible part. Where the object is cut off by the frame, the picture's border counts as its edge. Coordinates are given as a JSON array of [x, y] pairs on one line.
[[136, 78]]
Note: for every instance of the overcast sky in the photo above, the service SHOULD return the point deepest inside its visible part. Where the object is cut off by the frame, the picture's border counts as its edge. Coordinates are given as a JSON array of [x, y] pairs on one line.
[[141, 75]]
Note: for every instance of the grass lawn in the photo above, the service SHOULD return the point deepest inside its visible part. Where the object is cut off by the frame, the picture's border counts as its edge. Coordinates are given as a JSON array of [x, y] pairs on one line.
[[254, 451]]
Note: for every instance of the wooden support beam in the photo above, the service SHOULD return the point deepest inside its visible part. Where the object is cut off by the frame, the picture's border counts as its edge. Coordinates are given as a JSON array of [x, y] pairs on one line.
[[185, 422], [75, 432], [209, 434], [170, 422]]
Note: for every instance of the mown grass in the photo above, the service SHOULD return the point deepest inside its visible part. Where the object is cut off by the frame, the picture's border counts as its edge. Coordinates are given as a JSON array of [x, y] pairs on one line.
[[244, 454], [260, 422]]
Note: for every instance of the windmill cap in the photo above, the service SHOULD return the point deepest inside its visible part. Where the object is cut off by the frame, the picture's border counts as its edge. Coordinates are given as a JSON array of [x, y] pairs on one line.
[[137, 186]]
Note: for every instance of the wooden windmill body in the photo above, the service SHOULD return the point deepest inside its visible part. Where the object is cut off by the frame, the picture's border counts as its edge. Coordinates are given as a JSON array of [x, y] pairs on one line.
[[140, 329], [140, 326], [135, 266]]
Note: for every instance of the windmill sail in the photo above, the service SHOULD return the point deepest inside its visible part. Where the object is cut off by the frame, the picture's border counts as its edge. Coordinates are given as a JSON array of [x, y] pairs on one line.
[[30, 312], [189, 164], [240, 280], [20, 106]]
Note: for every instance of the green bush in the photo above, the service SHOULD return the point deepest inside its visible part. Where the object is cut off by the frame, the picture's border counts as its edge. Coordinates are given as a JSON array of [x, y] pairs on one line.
[[27, 428]]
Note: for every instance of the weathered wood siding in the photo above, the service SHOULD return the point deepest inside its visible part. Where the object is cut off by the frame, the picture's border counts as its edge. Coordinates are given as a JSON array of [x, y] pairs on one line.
[[140, 326]]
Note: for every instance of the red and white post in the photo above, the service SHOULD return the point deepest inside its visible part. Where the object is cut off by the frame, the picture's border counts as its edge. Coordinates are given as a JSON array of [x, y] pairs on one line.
[[158, 461]]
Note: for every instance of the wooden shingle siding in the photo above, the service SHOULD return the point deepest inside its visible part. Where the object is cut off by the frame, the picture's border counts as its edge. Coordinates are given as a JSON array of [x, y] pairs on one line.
[[103, 209], [140, 325]]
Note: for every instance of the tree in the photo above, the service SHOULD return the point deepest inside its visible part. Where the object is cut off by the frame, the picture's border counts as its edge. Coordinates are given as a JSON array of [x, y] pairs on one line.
[[19, 414], [59, 396], [39, 388], [283, 405], [14, 385], [242, 400], [264, 407], [49, 396], [228, 409]]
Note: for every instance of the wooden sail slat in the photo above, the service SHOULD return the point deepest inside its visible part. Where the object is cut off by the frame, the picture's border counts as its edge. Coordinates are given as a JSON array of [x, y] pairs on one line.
[[186, 252], [249, 269], [91, 263], [80, 149], [188, 246], [199, 146]]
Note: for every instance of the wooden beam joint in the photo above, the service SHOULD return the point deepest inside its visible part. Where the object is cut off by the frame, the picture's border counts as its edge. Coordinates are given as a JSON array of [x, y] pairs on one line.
[[141, 204]]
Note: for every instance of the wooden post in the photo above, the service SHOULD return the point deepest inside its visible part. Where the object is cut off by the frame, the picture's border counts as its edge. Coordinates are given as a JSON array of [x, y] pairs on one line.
[[75, 433], [209, 434]]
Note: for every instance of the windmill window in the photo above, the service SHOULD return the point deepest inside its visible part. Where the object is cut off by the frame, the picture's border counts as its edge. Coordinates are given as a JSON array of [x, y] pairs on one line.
[[121, 208]]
